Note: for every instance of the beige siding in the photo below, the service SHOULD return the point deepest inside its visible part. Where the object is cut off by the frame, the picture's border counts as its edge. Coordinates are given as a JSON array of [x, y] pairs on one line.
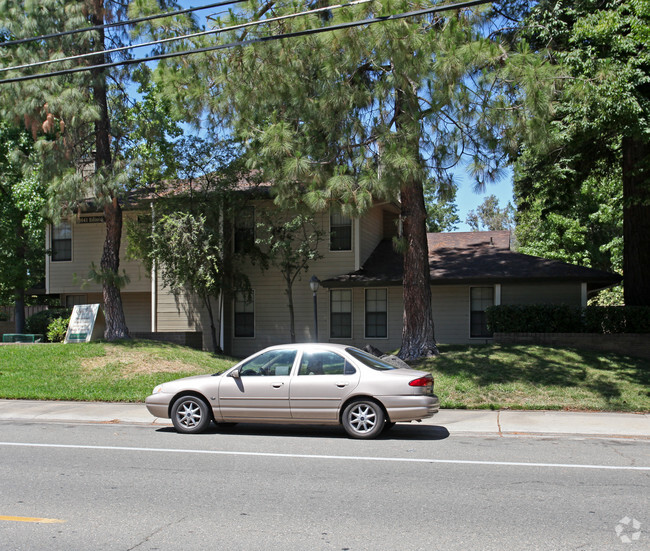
[[451, 313], [372, 229], [541, 293], [87, 244], [137, 308]]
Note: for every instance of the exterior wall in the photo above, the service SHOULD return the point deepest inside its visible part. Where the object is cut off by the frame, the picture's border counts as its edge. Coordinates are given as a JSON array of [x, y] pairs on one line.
[[541, 293], [87, 244], [271, 302], [451, 314], [372, 232], [137, 308]]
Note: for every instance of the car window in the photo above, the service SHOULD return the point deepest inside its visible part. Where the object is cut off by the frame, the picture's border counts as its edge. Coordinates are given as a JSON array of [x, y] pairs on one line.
[[271, 363], [323, 362], [368, 359]]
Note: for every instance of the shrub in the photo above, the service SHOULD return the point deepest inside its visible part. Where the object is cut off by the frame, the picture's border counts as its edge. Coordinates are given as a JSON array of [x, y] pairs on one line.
[[549, 318], [39, 322], [57, 329], [534, 318]]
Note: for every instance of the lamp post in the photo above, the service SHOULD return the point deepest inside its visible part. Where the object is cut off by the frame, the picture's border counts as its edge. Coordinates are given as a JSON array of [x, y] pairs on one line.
[[314, 283]]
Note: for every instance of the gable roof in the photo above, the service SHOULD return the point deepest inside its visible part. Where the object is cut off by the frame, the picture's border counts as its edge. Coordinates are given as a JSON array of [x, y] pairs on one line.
[[471, 258]]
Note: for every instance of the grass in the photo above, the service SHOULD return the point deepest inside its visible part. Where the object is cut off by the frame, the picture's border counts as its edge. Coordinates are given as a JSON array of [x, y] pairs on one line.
[[491, 376], [539, 377]]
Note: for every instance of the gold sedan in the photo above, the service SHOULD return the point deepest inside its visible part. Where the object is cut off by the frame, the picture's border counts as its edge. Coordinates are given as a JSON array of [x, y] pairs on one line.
[[303, 384]]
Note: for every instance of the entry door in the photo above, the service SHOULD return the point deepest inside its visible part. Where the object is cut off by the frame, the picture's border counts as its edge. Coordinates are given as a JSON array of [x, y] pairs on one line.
[[323, 381], [261, 392]]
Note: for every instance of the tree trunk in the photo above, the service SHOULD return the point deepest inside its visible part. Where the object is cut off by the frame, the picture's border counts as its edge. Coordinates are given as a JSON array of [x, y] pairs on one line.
[[417, 331], [216, 348], [636, 222], [19, 310], [418, 339], [292, 320], [110, 263], [114, 313]]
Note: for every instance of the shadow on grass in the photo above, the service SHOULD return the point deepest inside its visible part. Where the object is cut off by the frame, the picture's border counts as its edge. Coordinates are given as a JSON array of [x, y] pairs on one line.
[[604, 375]]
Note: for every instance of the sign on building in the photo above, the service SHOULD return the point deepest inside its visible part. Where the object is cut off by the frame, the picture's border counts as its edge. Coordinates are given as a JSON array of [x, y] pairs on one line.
[[86, 323]]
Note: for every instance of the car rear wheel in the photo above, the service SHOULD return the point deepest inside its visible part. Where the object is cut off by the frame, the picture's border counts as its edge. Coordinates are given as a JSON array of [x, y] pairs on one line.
[[190, 415], [363, 419]]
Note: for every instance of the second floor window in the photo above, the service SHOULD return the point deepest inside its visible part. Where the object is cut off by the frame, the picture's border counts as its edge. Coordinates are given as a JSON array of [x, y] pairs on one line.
[[245, 230], [62, 242], [340, 232]]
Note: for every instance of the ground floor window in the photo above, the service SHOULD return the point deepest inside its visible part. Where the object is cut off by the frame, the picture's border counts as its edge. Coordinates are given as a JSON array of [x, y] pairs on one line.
[[481, 298], [244, 315], [341, 314], [376, 314]]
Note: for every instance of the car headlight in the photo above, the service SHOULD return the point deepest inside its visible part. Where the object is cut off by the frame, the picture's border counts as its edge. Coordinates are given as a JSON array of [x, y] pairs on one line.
[[158, 389]]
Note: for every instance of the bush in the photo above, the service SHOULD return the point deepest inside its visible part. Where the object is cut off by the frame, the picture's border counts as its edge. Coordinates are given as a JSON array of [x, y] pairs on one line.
[[57, 329], [39, 322], [534, 318], [549, 318]]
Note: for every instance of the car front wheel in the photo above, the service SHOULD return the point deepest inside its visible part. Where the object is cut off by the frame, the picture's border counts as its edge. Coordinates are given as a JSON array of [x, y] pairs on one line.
[[363, 419], [190, 415]]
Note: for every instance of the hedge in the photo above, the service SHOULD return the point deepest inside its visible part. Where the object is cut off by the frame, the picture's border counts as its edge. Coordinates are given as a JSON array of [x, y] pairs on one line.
[[39, 322], [550, 318]]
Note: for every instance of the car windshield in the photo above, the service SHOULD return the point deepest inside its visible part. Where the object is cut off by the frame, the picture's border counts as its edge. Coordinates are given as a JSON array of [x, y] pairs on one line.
[[368, 359]]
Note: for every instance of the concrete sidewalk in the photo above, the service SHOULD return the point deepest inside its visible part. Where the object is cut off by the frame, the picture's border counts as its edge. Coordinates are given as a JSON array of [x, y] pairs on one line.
[[456, 421]]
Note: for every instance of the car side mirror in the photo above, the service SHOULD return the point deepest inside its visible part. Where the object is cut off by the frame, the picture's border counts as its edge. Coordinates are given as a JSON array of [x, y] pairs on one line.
[[235, 373]]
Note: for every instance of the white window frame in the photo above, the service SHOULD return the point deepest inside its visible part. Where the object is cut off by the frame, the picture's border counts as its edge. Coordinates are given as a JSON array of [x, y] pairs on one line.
[[341, 215], [52, 233], [332, 312], [494, 297], [365, 312]]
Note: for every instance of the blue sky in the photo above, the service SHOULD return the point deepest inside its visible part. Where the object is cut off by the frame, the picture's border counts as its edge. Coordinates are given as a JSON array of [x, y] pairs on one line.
[[467, 199]]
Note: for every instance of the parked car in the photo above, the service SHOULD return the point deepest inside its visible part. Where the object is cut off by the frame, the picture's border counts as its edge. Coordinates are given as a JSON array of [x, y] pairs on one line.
[[300, 383]]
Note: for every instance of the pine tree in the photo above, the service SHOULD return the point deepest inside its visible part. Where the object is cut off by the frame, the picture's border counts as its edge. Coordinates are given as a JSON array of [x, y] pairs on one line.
[[359, 114]]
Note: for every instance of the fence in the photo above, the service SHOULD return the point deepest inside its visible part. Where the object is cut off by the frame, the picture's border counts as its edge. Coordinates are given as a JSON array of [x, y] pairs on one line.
[[7, 312]]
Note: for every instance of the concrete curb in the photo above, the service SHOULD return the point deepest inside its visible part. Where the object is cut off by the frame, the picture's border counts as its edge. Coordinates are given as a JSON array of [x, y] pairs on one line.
[[499, 423]]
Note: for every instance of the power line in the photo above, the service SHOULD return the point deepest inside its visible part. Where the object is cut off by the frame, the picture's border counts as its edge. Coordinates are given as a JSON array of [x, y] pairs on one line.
[[117, 23], [184, 37], [307, 32]]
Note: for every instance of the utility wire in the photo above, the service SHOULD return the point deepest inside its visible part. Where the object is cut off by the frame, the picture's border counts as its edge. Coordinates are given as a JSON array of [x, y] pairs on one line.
[[184, 37], [307, 32], [117, 23]]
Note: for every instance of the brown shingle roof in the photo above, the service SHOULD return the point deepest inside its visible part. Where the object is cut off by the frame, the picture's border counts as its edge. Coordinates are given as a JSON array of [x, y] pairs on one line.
[[469, 258]]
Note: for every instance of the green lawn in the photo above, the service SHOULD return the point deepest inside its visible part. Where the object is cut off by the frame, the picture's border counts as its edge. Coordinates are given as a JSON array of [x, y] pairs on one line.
[[539, 377], [491, 376]]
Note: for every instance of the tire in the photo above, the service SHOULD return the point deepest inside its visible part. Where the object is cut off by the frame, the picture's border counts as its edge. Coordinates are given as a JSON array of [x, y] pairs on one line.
[[363, 419], [190, 415]]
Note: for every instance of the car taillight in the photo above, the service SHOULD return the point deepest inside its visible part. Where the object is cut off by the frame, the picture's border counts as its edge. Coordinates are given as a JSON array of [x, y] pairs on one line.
[[422, 381]]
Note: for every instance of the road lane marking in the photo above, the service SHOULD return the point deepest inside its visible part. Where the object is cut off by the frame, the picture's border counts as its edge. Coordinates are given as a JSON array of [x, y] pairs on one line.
[[329, 457], [32, 519]]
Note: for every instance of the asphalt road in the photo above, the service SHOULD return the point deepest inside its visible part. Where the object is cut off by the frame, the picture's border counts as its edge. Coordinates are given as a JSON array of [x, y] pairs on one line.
[[118, 487]]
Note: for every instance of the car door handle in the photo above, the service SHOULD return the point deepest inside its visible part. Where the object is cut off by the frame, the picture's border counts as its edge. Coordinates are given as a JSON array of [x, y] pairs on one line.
[[277, 385], [342, 384]]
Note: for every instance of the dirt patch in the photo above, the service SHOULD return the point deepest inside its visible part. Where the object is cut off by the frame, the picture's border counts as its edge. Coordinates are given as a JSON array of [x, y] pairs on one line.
[[133, 362]]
